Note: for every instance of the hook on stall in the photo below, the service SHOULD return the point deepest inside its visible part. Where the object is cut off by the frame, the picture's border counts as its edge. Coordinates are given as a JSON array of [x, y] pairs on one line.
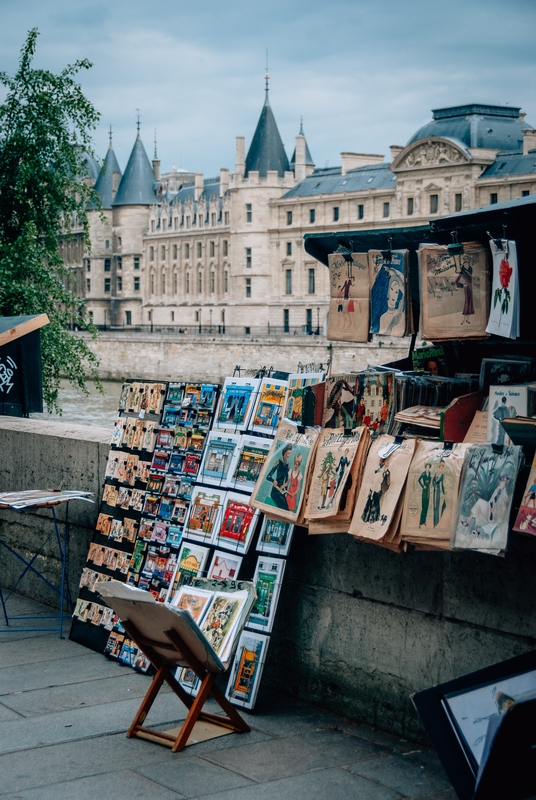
[[387, 255]]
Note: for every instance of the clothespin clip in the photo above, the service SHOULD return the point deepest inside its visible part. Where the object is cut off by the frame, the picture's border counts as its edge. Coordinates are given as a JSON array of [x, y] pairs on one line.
[[348, 431], [497, 448], [385, 452], [300, 429], [499, 243], [456, 247], [448, 445]]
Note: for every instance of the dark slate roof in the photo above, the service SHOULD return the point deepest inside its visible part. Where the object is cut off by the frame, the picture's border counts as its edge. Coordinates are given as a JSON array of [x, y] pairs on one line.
[[308, 157], [92, 166], [104, 185], [330, 181], [138, 186], [266, 151], [476, 125], [511, 164]]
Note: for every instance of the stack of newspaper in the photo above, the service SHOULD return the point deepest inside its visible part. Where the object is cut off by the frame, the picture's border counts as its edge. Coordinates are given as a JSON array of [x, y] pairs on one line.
[[41, 497]]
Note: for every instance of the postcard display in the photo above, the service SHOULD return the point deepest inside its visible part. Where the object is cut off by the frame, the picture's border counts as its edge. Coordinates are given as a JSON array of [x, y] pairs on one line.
[[183, 463]]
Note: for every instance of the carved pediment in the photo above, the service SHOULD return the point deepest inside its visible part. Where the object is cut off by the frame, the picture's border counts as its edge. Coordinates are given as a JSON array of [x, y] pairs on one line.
[[430, 153]]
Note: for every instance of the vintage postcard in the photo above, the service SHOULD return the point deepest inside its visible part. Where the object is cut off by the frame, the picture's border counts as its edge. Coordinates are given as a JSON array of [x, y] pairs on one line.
[[275, 537], [504, 312], [174, 537], [269, 406], [334, 456], [209, 393], [349, 297], [149, 435], [505, 402], [204, 514], [137, 499], [144, 468], [300, 399], [123, 497], [340, 402], [389, 303], [246, 672], [116, 530], [221, 619], [103, 524], [454, 292], [236, 403], [251, 454], [193, 600], [117, 435], [237, 525], [224, 566], [175, 394], [486, 491], [526, 517], [267, 579], [218, 458], [280, 487]]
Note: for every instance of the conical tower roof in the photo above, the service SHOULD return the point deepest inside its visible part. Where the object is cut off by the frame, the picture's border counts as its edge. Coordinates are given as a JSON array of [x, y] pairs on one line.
[[105, 182], [308, 157], [266, 151], [137, 187]]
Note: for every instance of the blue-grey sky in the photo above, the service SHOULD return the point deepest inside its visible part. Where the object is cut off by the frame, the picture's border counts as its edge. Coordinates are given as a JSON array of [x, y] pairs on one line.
[[364, 74]]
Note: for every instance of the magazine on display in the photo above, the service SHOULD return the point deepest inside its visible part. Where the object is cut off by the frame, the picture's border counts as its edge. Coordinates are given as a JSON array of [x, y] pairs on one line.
[[507, 402], [349, 297], [334, 457], [505, 303], [390, 309]]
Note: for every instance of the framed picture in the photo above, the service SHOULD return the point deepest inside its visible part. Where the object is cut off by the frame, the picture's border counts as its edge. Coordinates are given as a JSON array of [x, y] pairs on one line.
[[238, 520], [224, 566], [275, 537], [247, 668], [204, 514], [267, 579]]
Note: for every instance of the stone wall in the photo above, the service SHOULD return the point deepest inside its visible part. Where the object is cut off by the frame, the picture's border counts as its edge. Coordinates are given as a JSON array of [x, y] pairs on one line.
[[358, 628], [205, 358]]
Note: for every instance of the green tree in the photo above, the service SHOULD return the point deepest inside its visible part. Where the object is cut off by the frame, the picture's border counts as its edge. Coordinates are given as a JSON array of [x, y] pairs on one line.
[[45, 124]]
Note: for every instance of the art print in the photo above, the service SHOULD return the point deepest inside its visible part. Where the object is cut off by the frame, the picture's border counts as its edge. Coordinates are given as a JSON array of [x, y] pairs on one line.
[[123, 497], [149, 434], [160, 461], [252, 453], [275, 537], [88, 579], [151, 504], [209, 392], [298, 393], [220, 620], [269, 405], [176, 463], [103, 524], [388, 301], [267, 579], [219, 454], [375, 400], [116, 530], [124, 396], [143, 471], [204, 514], [193, 600], [117, 435], [138, 556], [179, 510], [281, 484], [96, 553], [136, 437], [486, 492], [349, 297], [454, 292], [334, 457], [137, 499], [505, 402], [224, 566], [146, 529], [190, 564], [156, 398], [192, 395], [165, 510], [120, 467], [504, 311], [340, 402], [237, 523], [164, 438], [175, 393], [236, 403], [246, 672], [526, 518]]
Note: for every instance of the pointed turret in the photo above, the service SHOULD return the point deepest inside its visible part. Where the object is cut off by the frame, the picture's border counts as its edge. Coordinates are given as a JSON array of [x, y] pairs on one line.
[[266, 152], [109, 177], [137, 187], [308, 157]]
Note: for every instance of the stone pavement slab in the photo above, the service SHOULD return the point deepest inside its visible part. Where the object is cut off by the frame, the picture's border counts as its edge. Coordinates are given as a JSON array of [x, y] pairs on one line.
[[85, 666], [35, 650], [7, 713], [412, 774], [194, 776], [119, 785]]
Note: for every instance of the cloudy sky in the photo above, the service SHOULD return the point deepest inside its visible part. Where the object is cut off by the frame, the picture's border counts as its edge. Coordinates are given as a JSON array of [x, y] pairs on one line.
[[363, 74]]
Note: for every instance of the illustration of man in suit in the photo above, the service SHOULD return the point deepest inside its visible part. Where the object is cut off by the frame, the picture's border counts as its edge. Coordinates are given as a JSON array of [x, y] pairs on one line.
[[424, 481], [381, 480], [438, 487], [500, 413]]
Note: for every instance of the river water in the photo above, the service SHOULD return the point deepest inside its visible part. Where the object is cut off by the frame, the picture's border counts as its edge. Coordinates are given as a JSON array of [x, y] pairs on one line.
[[92, 409]]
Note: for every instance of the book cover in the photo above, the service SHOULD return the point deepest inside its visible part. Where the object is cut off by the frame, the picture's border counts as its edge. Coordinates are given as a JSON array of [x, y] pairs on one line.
[[505, 402]]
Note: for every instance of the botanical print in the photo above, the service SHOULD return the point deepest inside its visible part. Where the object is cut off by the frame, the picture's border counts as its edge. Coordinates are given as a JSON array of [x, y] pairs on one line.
[[237, 523], [349, 297], [486, 491], [236, 403], [504, 311], [218, 457], [526, 518], [388, 301], [298, 391], [281, 484], [267, 579], [204, 514], [246, 671], [432, 490], [382, 485], [269, 406], [252, 452], [454, 292], [275, 537], [334, 457], [505, 402]]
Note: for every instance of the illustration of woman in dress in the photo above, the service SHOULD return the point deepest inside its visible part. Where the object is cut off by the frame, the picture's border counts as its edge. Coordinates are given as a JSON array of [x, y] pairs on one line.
[[381, 480], [294, 483], [341, 401], [503, 412], [424, 481], [278, 477], [394, 315], [490, 512], [465, 281], [438, 486]]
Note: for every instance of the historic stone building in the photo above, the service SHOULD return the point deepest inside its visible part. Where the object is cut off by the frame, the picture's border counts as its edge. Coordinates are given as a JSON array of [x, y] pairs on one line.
[[224, 254]]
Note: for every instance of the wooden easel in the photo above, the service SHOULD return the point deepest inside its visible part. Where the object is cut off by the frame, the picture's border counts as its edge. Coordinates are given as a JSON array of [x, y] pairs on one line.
[[233, 720]]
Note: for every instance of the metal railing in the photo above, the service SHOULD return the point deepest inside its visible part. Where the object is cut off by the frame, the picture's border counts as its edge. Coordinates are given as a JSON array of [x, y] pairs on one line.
[[253, 331]]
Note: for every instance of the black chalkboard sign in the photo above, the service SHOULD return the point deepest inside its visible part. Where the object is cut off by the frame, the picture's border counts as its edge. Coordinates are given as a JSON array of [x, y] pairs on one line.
[[21, 391]]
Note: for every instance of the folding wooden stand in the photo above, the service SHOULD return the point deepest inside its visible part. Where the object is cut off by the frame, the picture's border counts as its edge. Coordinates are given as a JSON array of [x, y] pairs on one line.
[[233, 720]]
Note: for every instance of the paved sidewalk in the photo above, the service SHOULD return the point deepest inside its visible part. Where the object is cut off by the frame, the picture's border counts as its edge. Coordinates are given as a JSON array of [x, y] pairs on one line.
[[64, 711]]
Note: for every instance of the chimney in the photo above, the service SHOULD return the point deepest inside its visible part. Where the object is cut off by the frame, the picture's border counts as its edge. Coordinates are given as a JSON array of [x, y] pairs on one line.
[[395, 149], [299, 164], [198, 185], [240, 162], [156, 168], [353, 160], [224, 181], [529, 140]]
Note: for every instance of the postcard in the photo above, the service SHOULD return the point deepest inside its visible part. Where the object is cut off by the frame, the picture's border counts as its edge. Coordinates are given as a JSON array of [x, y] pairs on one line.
[[246, 672], [334, 457], [165, 509], [188, 680], [181, 437], [192, 462], [204, 514], [117, 435], [143, 471], [116, 530], [389, 304], [137, 499], [526, 518], [220, 451], [107, 618], [160, 532], [176, 464], [280, 488], [298, 395], [267, 579], [146, 529], [236, 403], [160, 461], [149, 435], [120, 467], [209, 393], [151, 504], [123, 497], [174, 537], [109, 494], [349, 297], [190, 564], [124, 396], [114, 644], [171, 416], [155, 483], [164, 438], [193, 600], [88, 579], [104, 522], [251, 454], [96, 553], [220, 621], [111, 465], [275, 537], [237, 525], [179, 510], [171, 485], [192, 395], [269, 405], [505, 402], [136, 435], [175, 394], [224, 566], [138, 556]]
